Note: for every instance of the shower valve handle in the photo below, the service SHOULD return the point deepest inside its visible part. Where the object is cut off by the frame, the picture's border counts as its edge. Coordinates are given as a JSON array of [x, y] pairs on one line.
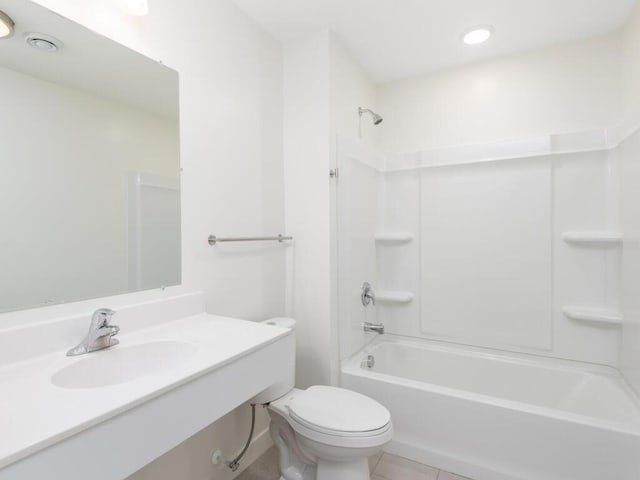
[[366, 294]]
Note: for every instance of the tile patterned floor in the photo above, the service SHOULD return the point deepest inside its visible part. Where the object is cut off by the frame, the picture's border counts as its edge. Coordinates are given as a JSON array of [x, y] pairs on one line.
[[264, 468], [383, 467]]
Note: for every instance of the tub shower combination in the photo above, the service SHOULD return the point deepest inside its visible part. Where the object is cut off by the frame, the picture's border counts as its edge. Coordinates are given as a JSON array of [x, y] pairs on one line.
[[497, 361]]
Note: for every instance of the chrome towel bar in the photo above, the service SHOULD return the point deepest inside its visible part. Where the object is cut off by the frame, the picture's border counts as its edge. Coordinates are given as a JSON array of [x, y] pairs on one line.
[[213, 240]]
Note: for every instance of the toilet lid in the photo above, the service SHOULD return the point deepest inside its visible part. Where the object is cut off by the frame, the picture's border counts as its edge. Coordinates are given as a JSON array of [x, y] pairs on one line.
[[338, 410]]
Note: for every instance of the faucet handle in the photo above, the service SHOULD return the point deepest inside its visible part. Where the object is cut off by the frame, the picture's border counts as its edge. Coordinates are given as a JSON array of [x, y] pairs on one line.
[[100, 335], [102, 317], [366, 294]]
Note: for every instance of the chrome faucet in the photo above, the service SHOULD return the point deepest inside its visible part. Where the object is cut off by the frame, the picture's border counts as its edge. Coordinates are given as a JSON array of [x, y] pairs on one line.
[[366, 294], [373, 327], [100, 335]]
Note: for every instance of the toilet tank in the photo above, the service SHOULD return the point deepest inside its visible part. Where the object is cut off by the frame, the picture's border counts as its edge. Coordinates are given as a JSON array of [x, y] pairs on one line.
[[288, 377]]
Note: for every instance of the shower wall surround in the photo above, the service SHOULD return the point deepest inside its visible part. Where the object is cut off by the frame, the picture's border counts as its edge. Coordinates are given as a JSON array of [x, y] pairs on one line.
[[359, 202], [629, 158], [629, 162], [485, 237], [469, 245], [495, 270]]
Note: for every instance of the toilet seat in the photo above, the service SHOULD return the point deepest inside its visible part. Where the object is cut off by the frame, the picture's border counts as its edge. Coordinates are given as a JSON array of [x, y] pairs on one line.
[[335, 416], [337, 411]]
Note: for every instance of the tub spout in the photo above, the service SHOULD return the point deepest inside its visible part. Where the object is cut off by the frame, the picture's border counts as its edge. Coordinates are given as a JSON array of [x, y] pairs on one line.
[[373, 327]]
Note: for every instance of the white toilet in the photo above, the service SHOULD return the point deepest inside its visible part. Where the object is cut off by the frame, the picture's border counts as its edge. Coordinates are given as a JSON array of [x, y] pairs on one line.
[[323, 433]]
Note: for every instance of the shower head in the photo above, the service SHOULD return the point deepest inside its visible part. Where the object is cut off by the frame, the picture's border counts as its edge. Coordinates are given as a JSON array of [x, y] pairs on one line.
[[377, 119]]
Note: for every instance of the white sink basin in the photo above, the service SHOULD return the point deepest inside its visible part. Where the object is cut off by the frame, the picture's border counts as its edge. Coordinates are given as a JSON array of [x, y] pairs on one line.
[[174, 362], [120, 364]]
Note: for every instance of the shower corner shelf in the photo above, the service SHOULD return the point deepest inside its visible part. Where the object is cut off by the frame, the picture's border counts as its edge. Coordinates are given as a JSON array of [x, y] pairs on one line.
[[593, 238], [593, 315], [394, 237], [396, 297]]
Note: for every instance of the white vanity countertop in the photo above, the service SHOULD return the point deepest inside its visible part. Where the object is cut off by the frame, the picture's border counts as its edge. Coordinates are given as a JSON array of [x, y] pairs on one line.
[[35, 413]]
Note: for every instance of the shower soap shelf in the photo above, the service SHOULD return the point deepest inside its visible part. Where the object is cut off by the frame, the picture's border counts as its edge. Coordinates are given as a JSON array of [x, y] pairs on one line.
[[394, 297], [394, 237], [592, 238], [593, 315]]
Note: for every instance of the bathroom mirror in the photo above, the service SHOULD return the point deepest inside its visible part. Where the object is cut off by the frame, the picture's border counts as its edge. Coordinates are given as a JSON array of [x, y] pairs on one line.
[[89, 184]]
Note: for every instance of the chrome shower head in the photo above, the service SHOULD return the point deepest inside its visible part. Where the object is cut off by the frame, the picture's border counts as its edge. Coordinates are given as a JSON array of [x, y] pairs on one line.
[[377, 119]]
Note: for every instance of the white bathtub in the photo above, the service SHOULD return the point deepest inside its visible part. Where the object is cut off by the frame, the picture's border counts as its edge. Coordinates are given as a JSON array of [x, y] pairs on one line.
[[497, 416]]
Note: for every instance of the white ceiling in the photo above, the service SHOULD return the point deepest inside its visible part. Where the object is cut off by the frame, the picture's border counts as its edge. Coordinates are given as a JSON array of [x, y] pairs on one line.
[[395, 39]]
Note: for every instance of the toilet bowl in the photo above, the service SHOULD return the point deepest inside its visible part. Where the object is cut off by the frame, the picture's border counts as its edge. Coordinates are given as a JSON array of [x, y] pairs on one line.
[[323, 432]]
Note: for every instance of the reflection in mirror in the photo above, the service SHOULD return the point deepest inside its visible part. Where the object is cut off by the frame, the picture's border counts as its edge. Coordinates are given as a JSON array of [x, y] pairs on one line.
[[89, 190]]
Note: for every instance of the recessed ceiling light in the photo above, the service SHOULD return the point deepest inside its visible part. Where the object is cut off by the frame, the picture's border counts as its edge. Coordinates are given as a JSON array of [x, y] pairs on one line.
[[6, 25], [477, 35], [138, 8], [45, 43]]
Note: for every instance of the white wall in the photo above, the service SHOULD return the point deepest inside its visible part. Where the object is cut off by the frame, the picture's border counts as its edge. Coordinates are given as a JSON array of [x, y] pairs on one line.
[[629, 159], [306, 172], [323, 89], [231, 138], [67, 157], [231, 153], [566, 88], [631, 67], [350, 88]]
